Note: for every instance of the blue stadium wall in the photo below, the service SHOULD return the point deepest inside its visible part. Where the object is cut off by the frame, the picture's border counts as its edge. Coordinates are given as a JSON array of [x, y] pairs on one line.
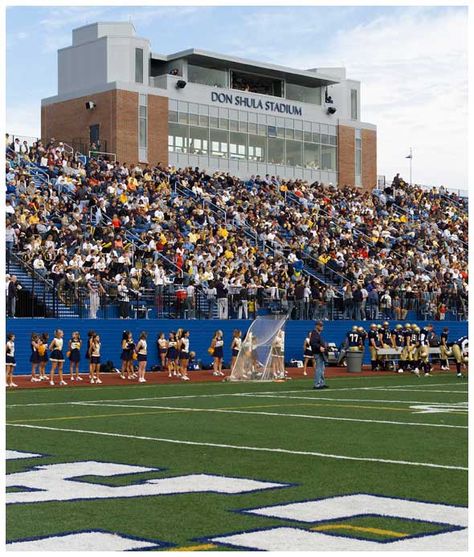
[[201, 332]]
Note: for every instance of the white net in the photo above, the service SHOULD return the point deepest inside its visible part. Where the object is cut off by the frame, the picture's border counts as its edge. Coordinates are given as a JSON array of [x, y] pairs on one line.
[[261, 356]]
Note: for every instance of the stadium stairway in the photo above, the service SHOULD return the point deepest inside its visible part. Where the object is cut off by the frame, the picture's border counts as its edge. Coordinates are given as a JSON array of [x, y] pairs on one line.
[[41, 291]]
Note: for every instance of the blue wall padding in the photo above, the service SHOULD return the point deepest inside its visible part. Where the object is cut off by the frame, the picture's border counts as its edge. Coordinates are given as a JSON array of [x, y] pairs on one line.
[[201, 332]]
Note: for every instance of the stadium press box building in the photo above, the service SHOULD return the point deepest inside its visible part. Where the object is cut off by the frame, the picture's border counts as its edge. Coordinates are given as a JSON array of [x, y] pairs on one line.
[[198, 108]]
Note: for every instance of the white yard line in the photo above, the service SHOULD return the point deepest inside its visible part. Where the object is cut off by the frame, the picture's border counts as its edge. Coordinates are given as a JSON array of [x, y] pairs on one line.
[[277, 414], [246, 448], [317, 397]]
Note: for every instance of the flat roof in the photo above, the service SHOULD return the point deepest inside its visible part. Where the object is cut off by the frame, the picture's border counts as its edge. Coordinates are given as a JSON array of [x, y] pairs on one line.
[[222, 61]]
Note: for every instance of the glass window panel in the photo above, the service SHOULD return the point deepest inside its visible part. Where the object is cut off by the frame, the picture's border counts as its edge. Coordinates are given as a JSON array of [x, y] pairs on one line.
[[223, 123], [311, 155], [204, 109], [333, 140], [194, 108], [262, 118], [194, 119], [238, 145], [142, 111], [358, 162], [280, 132], [328, 157], [243, 126], [324, 138], [289, 123], [183, 117], [219, 140], [233, 125], [207, 76], [233, 114], [358, 143], [173, 104], [223, 113], [243, 116], [252, 127], [316, 138], [214, 122], [354, 114], [172, 116], [303, 94], [182, 106], [294, 153], [204, 120], [307, 136], [198, 140], [289, 134], [143, 100], [315, 127], [298, 124], [271, 120], [142, 134], [276, 150], [213, 111], [257, 148], [272, 131], [139, 65], [323, 128], [299, 134], [252, 117], [307, 126], [262, 130], [178, 138], [332, 130]]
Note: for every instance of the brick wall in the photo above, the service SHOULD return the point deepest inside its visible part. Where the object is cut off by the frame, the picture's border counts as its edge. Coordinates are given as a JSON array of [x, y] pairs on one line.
[[369, 159], [157, 129], [116, 112], [346, 155]]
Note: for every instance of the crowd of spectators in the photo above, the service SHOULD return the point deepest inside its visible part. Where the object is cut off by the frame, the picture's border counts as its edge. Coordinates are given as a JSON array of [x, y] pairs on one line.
[[104, 228]]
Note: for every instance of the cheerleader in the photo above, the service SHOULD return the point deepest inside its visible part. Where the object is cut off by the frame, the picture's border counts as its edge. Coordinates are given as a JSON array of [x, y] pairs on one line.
[[127, 355], [43, 355], [172, 354], [95, 358], [90, 334], [34, 358], [141, 350], [184, 355], [162, 350], [308, 354], [179, 337], [217, 345], [235, 347], [74, 354], [57, 356], [10, 359]]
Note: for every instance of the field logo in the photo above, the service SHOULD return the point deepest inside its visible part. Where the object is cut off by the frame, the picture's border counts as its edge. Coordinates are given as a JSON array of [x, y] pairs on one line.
[[450, 533], [60, 482]]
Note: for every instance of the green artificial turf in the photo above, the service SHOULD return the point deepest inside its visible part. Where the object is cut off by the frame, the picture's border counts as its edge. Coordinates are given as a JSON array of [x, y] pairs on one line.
[[186, 519]]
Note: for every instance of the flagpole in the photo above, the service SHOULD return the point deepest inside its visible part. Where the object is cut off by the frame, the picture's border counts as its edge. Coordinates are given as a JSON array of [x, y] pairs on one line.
[[411, 162]]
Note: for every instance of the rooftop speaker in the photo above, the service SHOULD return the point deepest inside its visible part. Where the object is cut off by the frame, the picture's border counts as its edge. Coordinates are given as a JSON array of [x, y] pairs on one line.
[[331, 109], [90, 105], [180, 84]]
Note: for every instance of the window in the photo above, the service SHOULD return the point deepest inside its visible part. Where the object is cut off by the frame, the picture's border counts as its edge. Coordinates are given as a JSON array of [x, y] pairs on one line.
[[219, 143], [276, 150], [178, 138], [207, 76], [139, 65], [311, 156], [238, 145], [303, 94], [354, 105], [257, 148], [294, 153], [358, 158], [328, 157], [198, 140]]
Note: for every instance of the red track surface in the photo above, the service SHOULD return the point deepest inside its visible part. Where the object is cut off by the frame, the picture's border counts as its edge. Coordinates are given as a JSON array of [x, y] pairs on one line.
[[160, 378]]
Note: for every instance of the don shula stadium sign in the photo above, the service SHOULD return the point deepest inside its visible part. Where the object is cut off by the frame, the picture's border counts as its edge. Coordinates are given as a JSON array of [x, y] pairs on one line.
[[257, 104]]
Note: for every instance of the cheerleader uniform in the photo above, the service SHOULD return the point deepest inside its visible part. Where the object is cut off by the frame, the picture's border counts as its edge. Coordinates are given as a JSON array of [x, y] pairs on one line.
[[11, 353], [162, 346], [237, 345], [57, 354], [75, 355], [35, 357], [142, 352], [95, 354], [126, 355], [172, 352], [184, 353], [308, 353], [218, 349], [44, 357]]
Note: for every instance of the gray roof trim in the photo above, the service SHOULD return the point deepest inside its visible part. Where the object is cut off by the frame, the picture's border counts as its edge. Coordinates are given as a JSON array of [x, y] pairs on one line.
[[282, 71]]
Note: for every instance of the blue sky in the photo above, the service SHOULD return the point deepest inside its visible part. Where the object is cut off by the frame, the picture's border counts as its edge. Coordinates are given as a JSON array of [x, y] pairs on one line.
[[410, 60]]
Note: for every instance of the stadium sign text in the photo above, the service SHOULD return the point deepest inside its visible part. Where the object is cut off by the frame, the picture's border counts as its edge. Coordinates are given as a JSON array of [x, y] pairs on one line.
[[257, 104]]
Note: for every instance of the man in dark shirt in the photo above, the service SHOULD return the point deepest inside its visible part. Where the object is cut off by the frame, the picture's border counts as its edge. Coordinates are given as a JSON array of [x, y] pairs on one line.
[[318, 347], [12, 292]]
